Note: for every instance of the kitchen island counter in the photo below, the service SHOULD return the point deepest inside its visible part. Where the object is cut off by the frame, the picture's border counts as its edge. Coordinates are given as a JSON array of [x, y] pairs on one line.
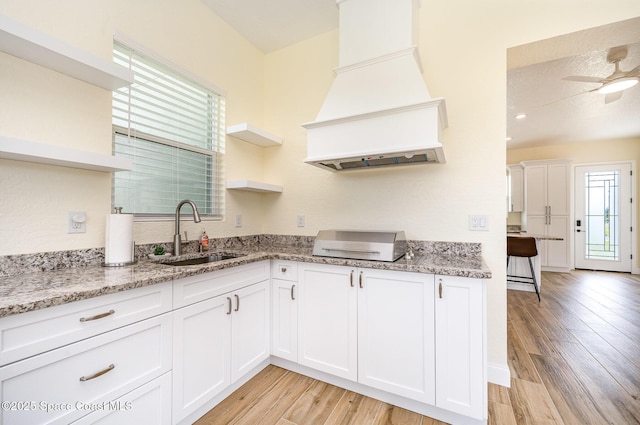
[[29, 291]]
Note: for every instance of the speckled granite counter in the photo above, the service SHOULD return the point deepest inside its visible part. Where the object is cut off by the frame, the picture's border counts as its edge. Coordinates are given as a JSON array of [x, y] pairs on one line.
[[31, 291], [537, 237]]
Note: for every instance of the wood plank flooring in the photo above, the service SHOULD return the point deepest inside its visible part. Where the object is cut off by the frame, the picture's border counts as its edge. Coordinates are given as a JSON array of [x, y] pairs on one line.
[[574, 360]]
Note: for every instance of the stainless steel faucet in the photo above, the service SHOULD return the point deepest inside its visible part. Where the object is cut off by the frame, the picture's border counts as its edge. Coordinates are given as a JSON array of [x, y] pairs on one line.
[[177, 240]]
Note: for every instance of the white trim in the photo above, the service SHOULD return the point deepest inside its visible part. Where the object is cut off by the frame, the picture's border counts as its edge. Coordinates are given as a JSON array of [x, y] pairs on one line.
[[499, 374], [130, 42]]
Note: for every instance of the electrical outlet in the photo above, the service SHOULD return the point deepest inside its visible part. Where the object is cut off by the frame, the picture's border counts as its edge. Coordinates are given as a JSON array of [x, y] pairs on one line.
[[300, 220], [479, 223], [77, 222], [238, 220]]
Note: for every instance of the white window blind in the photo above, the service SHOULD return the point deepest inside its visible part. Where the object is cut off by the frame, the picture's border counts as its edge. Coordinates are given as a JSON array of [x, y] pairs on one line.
[[173, 130]]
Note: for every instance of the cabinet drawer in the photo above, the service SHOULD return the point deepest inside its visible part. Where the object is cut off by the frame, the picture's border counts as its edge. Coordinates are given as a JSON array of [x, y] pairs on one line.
[[284, 269], [148, 404], [81, 377], [28, 334], [193, 289]]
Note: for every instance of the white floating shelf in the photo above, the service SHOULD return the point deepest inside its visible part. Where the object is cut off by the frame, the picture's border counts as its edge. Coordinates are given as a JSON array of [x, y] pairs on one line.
[[253, 186], [42, 153], [253, 135], [34, 46]]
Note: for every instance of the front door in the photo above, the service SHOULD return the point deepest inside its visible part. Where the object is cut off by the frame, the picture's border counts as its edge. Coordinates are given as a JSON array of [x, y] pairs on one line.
[[603, 217]]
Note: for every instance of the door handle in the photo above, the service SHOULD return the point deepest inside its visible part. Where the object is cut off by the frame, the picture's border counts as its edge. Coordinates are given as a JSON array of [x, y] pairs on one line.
[[237, 302], [293, 298], [360, 280]]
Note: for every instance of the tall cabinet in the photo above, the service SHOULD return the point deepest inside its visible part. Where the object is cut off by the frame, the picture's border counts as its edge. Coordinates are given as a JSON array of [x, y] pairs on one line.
[[547, 209]]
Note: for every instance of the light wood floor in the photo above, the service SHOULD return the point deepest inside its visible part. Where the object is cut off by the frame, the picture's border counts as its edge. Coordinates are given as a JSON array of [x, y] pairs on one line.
[[574, 359]]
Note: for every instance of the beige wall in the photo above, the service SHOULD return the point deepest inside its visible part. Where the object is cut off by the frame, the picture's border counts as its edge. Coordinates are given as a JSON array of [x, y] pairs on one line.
[[463, 49], [584, 153], [41, 105]]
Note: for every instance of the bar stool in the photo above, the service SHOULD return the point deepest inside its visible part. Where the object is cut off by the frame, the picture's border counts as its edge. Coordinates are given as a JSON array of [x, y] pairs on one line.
[[522, 247]]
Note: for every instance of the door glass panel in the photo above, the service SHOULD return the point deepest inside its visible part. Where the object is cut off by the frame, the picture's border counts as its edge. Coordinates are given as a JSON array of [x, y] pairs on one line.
[[601, 220]]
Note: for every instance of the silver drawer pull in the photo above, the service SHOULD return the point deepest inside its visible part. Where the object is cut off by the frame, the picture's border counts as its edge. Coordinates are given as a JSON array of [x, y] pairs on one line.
[[97, 316], [293, 298], [97, 374], [283, 270], [237, 302], [228, 305]]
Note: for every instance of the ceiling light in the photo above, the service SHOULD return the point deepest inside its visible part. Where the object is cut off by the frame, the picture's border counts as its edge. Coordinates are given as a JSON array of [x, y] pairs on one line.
[[521, 116], [618, 85]]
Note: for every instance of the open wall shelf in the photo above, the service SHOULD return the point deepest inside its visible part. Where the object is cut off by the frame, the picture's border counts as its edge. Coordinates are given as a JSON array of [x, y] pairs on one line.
[[253, 135], [253, 186], [34, 46], [42, 153]]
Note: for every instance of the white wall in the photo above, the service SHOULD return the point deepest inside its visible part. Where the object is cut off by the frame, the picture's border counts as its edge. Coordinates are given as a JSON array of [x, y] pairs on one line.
[[463, 48]]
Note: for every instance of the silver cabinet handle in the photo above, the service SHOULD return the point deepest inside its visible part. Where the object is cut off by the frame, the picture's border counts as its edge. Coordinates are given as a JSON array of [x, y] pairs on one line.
[[351, 279], [237, 302], [360, 280], [283, 269], [293, 298], [97, 316], [440, 288], [228, 305], [97, 374]]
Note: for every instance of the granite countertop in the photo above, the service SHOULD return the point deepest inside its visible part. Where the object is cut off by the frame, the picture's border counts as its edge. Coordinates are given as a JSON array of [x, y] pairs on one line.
[[32, 291], [537, 237]]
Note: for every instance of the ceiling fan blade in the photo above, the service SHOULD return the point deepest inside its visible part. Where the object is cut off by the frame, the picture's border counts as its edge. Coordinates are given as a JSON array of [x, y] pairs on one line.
[[584, 79], [634, 72], [566, 98], [612, 97]]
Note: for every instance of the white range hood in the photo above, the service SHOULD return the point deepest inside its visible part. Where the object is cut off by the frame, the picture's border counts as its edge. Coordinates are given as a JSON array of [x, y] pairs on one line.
[[378, 111]]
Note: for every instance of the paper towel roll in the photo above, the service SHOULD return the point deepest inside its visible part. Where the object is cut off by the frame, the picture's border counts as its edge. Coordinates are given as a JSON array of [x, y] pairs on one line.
[[118, 246]]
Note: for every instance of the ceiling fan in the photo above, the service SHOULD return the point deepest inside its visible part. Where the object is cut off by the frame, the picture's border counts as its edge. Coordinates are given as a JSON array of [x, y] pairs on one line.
[[613, 85]]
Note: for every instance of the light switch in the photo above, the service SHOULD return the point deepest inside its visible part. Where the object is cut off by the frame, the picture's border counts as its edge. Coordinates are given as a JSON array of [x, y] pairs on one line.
[[479, 223]]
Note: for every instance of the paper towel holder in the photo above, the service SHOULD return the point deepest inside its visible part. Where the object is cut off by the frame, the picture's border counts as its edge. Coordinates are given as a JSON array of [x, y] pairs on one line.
[[118, 210]]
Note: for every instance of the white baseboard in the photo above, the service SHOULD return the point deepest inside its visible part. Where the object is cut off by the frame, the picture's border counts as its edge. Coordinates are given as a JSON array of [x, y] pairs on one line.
[[499, 374]]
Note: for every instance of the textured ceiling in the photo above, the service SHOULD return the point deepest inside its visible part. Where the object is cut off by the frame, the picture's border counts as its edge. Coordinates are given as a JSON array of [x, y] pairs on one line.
[[557, 111], [560, 111]]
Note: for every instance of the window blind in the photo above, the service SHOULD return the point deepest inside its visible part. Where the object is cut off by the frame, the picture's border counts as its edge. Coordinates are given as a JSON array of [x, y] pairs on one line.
[[173, 130]]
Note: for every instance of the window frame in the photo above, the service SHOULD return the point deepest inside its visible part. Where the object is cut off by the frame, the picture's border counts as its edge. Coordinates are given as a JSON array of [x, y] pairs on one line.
[[215, 192]]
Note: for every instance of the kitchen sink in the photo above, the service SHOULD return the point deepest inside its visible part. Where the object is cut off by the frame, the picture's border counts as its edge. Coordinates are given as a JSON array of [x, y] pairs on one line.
[[218, 256]]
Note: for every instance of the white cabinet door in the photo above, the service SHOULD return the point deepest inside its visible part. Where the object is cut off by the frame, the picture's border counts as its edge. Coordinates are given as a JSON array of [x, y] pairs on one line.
[[327, 319], [202, 346], [516, 188], [396, 333], [216, 342], [249, 328], [460, 350], [536, 190], [557, 252], [284, 319], [558, 189]]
